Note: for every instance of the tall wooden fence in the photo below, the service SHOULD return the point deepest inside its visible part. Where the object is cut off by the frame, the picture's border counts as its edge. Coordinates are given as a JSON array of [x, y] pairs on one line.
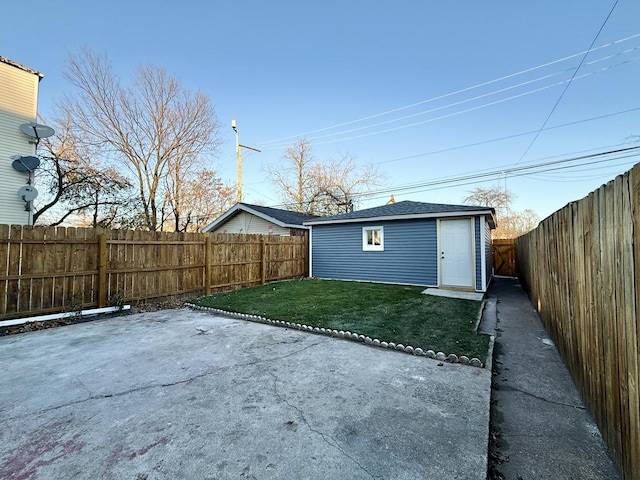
[[48, 270], [580, 268]]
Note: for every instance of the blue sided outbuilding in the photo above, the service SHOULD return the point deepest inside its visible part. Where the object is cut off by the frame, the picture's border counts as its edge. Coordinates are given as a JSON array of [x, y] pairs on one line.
[[413, 243]]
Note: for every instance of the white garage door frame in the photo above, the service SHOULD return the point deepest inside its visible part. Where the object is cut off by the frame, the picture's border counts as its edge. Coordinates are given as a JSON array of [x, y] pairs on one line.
[[456, 253]]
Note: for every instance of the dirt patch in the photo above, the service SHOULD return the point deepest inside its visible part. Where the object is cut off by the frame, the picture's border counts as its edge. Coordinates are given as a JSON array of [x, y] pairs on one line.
[[495, 457]]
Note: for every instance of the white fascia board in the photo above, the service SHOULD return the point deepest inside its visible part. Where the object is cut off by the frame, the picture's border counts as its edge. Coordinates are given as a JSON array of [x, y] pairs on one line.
[[221, 219], [483, 253], [310, 252], [466, 213], [243, 208], [263, 216], [269, 218]]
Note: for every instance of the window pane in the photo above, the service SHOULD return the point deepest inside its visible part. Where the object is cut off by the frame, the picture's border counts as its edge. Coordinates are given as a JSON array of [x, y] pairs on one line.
[[369, 237]]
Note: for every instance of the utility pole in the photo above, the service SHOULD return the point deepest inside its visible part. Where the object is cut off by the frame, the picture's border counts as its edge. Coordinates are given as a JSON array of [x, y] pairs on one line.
[[239, 157]]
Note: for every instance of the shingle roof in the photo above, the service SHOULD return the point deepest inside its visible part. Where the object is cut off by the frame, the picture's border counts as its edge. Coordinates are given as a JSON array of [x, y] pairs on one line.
[[403, 209], [285, 216]]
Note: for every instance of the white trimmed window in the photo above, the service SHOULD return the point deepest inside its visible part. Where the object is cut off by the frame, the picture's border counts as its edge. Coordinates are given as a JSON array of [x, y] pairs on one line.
[[373, 239]]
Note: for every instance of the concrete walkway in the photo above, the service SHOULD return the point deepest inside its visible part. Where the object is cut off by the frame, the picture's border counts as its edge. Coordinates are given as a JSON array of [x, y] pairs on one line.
[[179, 394], [543, 428]]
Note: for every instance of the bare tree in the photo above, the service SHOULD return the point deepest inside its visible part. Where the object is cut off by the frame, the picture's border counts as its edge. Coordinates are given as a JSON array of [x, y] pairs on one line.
[[511, 223], [310, 186], [154, 128], [338, 184], [517, 223], [494, 197], [195, 199], [294, 179], [75, 184]]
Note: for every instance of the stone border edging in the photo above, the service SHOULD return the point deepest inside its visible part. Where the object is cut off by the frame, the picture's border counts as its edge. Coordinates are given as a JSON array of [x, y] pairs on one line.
[[451, 358]]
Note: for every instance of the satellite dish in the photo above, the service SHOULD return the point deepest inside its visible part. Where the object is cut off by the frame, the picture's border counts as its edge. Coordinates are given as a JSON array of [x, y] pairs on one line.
[[37, 131], [26, 164], [27, 193]]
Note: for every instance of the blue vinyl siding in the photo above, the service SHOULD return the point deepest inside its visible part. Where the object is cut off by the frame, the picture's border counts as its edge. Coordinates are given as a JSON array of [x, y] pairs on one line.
[[488, 245], [410, 253], [477, 252]]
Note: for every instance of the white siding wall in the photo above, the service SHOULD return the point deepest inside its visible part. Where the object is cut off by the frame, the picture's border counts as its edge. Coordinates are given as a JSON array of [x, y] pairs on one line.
[[247, 223], [18, 104]]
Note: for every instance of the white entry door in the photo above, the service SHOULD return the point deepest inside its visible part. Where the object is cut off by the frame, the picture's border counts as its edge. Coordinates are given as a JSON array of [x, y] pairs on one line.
[[456, 253]]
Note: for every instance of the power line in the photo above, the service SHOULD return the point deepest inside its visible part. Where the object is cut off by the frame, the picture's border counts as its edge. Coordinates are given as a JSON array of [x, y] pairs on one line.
[[463, 90], [568, 83], [497, 176], [470, 179], [508, 137], [460, 112], [554, 179], [471, 109], [514, 171]]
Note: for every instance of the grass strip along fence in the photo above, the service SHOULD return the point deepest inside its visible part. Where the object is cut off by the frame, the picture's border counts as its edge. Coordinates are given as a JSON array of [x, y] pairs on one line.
[[50, 270], [580, 267]]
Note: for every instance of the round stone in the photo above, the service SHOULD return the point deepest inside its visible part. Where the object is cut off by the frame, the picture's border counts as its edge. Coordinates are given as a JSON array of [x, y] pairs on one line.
[[441, 356], [452, 357], [464, 360], [375, 342], [400, 347], [392, 345], [368, 340], [475, 362], [408, 349], [418, 351], [384, 344]]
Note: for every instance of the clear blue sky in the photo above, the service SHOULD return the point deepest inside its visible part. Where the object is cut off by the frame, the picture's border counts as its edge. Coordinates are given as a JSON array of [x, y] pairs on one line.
[[283, 69]]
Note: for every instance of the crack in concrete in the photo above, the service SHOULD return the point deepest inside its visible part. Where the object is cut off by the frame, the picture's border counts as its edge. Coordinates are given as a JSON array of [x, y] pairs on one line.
[[328, 439], [92, 397], [504, 387], [83, 386]]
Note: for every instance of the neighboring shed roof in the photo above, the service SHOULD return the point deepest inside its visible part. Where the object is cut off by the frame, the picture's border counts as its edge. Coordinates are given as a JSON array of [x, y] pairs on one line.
[[282, 218], [407, 209], [20, 66]]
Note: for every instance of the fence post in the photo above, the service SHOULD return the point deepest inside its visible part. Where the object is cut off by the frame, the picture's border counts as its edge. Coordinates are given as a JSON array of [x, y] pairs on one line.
[[263, 257], [207, 264], [102, 270]]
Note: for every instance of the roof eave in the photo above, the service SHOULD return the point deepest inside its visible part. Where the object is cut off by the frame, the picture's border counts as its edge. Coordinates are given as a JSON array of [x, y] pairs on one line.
[[237, 208], [413, 216], [22, 67]]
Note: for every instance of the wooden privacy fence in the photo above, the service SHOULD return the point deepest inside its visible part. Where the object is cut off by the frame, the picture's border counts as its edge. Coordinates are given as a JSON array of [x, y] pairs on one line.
[[49, 270], [580, 268], [504, 256]]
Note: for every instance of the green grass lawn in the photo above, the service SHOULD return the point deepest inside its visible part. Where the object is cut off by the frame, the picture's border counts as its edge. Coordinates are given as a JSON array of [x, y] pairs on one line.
[[391, 313]]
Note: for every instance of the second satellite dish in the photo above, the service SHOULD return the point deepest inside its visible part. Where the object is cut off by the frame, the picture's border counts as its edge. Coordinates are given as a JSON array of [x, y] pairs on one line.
[[27, 193], [37, 131], [26, 164]]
